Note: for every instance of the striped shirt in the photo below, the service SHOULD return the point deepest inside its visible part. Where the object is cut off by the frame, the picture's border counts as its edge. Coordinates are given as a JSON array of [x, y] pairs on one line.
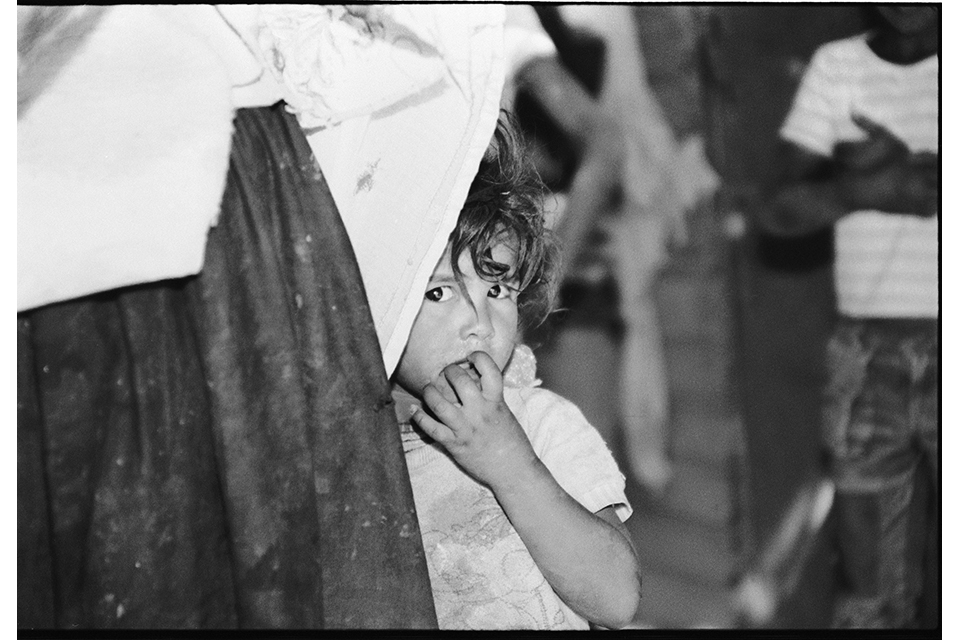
[[886, 265]]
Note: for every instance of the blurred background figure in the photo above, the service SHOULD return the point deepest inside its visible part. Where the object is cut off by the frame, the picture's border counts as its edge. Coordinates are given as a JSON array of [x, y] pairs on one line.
[[862, 156], [621, 185], [744, 316], [786, 313]]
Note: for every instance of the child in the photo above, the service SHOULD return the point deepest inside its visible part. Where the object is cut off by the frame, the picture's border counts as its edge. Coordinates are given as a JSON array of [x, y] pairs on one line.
[[863, 149], [520, 502]]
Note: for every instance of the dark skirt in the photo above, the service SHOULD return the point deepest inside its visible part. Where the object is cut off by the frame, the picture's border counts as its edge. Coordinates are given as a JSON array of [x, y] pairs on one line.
[[220, 450]]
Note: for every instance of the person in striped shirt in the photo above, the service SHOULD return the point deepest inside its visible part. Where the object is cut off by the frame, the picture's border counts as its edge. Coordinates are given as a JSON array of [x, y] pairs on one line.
[[862, 154]]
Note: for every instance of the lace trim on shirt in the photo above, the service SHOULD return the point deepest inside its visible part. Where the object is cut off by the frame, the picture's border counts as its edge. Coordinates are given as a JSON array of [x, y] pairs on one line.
[[413, 437]]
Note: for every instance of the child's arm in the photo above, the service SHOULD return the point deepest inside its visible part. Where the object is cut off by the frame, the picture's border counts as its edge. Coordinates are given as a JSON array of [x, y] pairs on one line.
[[878, 173], [587, 558]]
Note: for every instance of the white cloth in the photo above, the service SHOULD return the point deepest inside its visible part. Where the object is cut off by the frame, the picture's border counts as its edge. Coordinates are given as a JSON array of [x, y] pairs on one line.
[[399, 103], [523, 41], [232, 31], [481, 573], [121, 158], [887, 265], [408, 96]]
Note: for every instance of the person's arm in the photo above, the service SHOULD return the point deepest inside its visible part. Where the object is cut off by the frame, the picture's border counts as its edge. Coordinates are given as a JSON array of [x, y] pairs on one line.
[[587, 558], [878, 173], [881, 173], [806, 198], [596, 185], [561, 96], [598, 137]]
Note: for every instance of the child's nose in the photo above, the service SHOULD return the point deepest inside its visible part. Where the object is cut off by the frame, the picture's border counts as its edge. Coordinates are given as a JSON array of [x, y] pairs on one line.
[[478, 322]]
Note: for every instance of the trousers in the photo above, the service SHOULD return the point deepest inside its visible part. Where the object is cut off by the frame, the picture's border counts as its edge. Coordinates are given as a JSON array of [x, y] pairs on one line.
[[881, 431]]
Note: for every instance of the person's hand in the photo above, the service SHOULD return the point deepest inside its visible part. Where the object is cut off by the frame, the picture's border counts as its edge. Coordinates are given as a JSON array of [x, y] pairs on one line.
[[881, 173], [927, 164], [477, 427], [880, 147]]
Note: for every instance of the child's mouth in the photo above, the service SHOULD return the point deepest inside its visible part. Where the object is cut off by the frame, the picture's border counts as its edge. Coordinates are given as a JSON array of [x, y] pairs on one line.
[[467, 366]]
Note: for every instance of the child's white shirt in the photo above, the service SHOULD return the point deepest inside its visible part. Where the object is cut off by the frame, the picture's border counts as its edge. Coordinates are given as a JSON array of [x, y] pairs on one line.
[[481, 573]]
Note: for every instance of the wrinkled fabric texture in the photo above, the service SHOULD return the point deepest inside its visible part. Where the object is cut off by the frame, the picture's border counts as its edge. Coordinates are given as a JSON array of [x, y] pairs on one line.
[[418, 134], [220, 450], [142, 103], [660, 179]]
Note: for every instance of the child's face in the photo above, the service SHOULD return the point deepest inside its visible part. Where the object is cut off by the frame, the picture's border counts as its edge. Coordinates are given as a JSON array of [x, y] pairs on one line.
[[456, 320]]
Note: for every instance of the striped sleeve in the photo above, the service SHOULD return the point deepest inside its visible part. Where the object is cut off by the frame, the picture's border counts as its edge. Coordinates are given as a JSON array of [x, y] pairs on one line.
[[811, 121]]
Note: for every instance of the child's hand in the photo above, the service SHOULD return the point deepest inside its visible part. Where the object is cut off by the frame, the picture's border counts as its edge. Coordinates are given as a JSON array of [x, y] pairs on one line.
[[479, 431]]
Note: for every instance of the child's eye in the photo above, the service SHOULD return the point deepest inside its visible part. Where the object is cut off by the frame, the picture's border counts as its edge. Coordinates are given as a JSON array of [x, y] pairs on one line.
[[438, 294], [501, 291]]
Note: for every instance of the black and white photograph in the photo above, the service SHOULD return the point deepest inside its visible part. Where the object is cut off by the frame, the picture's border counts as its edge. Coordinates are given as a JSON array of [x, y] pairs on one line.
[[428, 317]]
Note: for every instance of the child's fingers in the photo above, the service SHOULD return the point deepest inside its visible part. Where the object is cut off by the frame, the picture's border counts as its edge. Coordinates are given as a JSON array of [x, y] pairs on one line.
[[448, 412], [443, 386], [462, 382], [491, 380], [436, 430]]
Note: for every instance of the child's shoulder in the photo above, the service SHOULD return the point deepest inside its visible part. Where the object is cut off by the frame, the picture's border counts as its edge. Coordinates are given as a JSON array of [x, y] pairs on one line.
[[541, 410], [539, 400], [537, 409]]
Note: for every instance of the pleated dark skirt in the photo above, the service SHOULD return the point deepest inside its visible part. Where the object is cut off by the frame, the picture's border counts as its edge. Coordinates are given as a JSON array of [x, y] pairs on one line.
[[220, 450]]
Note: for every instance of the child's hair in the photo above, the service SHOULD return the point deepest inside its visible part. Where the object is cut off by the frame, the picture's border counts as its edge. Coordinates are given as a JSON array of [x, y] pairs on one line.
[[505, 204]]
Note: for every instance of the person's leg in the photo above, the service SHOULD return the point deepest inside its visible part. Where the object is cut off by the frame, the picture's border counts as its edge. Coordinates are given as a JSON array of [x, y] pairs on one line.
[[868, 420], [929, 606], [919, 354], [926, 404]]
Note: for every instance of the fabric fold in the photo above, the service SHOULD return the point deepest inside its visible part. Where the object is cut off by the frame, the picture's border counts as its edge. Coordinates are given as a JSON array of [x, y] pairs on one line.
[[220, 451]]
